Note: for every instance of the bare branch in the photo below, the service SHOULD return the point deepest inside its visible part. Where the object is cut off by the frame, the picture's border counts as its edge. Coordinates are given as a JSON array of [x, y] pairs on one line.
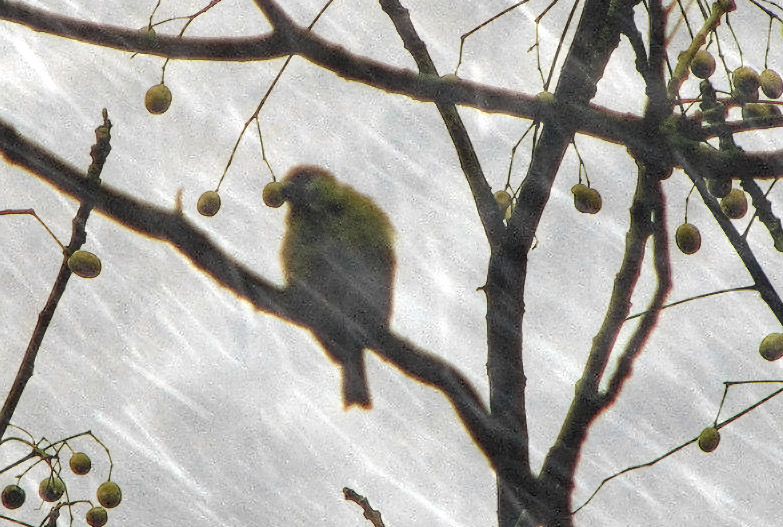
[[764, 212], [678, 447], [99, 151], [696, 172], [371, 514], [655, 199], [686, 57], [611, 126], [173, 228], [490, 215], [262, 47]]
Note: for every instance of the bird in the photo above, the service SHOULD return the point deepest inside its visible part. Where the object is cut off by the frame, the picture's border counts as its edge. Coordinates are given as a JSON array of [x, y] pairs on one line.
[[338, 249]]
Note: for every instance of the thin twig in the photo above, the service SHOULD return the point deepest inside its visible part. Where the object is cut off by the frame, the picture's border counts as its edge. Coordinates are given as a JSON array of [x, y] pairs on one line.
[[677, 448], [489, 214], [98, 152], [32, 213], [371, 514], [697, 297], [257, 111]]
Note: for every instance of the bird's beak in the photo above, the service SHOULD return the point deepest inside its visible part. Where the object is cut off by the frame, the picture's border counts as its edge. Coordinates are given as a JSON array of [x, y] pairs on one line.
[[288, 191]]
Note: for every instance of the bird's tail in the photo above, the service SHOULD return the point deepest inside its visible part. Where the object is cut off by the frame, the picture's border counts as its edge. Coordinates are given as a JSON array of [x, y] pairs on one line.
[[355, 390]]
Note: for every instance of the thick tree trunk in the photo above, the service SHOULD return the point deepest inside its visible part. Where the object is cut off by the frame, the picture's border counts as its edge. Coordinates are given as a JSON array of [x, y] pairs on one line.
[[519, 494]]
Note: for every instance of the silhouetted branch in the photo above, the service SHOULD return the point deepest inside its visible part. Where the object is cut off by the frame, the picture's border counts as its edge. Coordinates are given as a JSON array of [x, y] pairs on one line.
[[678, 447], [99, 151], [241, 49], [654, 198], [763, 209], [489, 214], [512, 409], [587, 402], [289, 39], [371, 514], [767, 292], [173, 228]]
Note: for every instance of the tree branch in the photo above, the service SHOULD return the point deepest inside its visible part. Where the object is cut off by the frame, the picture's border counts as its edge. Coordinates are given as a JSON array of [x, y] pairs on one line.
[[504, 362], [639, 338], [560, 463], [489, 214], [173, 228], [99, 152], [696, 172], [684, 60], [594, 41], [605, 124], [241, 49], [764, 212]]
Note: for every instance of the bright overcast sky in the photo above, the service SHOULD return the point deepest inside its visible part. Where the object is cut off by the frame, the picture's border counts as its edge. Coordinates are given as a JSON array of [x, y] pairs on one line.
[[218, 415]]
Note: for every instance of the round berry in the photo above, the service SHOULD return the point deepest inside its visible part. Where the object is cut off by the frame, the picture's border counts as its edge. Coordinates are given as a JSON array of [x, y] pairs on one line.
[[703, 64], [545, 96], [148, 34], [503, 199], [757, 110], [97, 517], [771, 83], [109, 494], [84, 264], [51, 488], [273, 194], [80, 463], [746, 84], [709, 439], [157, 99], [771, 347], [719, 187], [586, 199], [735, 204], [208, 203], [13, 497], [688, 238]]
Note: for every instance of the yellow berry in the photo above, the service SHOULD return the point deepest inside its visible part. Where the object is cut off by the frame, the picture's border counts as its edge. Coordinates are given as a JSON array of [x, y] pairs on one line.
[[80, 463], [771, 84], [756, 110], [157, 99], [688, 238], [97, 517], [735, 204], [746, 84], [771, 347], [503, 199], [148, 34], [84, 264], [273, 194], [703, 64], [208, 203], [546, 97], [109, 494], [586, 199], [51, 489], [709, 439], [13, 497]]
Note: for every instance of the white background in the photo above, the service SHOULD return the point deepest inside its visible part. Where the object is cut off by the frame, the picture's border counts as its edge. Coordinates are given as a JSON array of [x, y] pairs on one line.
[[219, 415]]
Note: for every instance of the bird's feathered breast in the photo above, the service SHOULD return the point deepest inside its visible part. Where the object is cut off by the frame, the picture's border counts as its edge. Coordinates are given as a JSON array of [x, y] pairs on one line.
[[339, 245]]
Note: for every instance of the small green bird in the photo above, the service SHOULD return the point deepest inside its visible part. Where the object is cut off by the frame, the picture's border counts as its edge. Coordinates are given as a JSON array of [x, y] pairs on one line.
[[338, 246]]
